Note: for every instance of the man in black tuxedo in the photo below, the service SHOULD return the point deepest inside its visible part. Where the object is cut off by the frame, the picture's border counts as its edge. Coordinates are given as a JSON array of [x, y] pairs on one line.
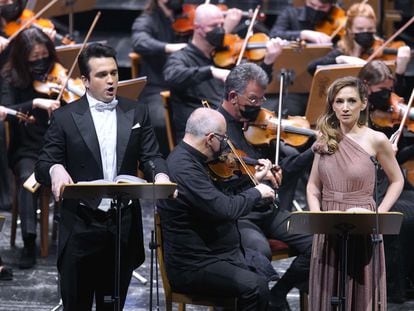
[[97, 137]]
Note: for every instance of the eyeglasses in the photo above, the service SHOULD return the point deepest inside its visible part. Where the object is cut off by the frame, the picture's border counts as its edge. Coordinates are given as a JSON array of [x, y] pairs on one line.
[[220, 137], [254, 100]]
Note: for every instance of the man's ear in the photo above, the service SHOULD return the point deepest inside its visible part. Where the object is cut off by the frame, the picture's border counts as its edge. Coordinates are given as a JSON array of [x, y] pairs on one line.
[[85, 81], [232, 97]]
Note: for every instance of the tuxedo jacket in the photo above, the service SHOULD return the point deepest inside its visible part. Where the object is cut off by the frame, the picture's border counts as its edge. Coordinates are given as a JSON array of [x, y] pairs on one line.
[[71, 140]]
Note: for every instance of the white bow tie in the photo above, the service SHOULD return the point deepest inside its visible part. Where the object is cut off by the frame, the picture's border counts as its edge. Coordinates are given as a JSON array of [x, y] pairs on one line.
[[100, 106]]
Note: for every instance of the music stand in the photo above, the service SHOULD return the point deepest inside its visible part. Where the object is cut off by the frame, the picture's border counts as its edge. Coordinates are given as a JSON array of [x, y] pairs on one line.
[[296, 60], [344, 224], [65, 7], [323, 78], [118, 192], [131, 88]]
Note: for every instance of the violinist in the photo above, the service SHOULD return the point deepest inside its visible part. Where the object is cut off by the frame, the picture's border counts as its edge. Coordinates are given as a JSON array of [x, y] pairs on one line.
[[301, 22], [32, 56], [154, 38], [191, 73], [399, 255], [203, 251], [244, 94], [359, 40]]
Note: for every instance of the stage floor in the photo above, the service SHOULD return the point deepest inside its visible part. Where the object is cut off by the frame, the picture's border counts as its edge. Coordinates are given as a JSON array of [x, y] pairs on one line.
[[36, 289]]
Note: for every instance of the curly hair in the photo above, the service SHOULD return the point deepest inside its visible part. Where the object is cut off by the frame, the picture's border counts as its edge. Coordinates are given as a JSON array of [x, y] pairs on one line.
[[328, 124]]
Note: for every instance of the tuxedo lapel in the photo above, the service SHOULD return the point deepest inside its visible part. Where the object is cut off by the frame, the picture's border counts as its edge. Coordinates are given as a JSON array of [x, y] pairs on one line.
[[125, 121], [83, 120]]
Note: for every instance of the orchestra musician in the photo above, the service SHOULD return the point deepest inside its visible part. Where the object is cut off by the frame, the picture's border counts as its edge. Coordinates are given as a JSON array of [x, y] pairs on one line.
[[244, 94], [154, 38], [342, 179], [202, 247], [358, 41], [191, 72], [98, 136], [299, 23], [398, 251], [32, 56]]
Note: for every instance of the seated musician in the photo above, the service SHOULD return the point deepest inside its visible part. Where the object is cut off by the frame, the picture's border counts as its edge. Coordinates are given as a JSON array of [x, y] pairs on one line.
[[244, 94], [398, 250], [154, 38], [301, 22], [359, 40], [32, 57], [191, 72], [202, 247]]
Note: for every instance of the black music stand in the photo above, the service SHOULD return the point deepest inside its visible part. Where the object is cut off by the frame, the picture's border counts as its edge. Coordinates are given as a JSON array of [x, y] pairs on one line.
[[344, 224], [118, 192]]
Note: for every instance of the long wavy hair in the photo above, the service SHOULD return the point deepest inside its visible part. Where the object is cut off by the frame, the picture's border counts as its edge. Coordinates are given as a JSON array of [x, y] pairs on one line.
[[330, 133], [347, 44]]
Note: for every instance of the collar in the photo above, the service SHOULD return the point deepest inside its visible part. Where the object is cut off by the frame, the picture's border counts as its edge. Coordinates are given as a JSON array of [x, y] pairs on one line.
[[199, 155], [93, 101]]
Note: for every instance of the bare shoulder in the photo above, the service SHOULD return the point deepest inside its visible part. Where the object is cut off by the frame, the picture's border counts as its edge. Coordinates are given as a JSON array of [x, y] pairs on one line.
[[378, 139]]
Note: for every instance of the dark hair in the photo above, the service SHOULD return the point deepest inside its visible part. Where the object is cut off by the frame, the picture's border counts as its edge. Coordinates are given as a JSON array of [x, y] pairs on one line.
[[240, 76], [94, 50], [17, 70], [375, 72]]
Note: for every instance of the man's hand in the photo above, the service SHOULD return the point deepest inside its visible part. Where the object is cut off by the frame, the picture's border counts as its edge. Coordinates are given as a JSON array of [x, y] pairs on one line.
[[274, 48], [232, 19], [403, 58], [220, 74], [4, 42], [59, 177], [351, 60], [174, 47], [266, 191], [46, 104], [314, 36], [3, 113]]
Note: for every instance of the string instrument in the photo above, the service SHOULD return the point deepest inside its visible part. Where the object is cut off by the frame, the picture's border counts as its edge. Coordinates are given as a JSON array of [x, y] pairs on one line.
[[255, 49], [334, 23], [295, 130], [14, 26], [379, 50], [53, 84], [20, 115], [184, 22], [386, 53], [394, 115], [228, 165]]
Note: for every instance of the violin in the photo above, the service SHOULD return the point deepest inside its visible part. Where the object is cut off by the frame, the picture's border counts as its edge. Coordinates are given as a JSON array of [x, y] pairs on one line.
[[184, 22], [53, 84], [334, 23], [12, 27], [255, 51], [388, 53], [228, 165], [20, 115], [393, 116], [295, 130]]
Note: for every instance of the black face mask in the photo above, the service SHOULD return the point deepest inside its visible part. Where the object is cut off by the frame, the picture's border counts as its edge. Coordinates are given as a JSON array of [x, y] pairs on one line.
[[10, 12], [250, 112], [176, 6], [314, 16], [364, 39], [39, 68], [380, 100], [215, 37]]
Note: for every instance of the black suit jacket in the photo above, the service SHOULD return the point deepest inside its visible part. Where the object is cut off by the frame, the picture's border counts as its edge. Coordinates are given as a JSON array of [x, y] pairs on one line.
[[71, 140]]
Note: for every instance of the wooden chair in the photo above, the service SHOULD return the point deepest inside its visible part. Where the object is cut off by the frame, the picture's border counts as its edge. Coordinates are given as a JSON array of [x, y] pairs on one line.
[[184, 299], [135, 59], [280, 250], [168, 119]]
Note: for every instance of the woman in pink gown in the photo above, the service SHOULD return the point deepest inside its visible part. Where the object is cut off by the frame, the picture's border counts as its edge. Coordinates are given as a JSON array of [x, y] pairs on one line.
[[342, 179]]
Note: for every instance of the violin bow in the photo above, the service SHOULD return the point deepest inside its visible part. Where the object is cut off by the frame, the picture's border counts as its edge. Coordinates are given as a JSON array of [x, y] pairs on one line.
[[31, 20], [69, 74], [242, 163], [382, 47], [248, 34], [279, 116], [397, 134]]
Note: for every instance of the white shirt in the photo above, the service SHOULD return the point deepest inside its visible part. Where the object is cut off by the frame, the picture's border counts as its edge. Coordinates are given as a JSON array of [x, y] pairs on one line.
[[106, 130]]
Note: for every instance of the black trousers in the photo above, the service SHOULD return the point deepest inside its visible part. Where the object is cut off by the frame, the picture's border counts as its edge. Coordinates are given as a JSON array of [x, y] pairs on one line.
[[223, 279], [86, 265], [254, 235]]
